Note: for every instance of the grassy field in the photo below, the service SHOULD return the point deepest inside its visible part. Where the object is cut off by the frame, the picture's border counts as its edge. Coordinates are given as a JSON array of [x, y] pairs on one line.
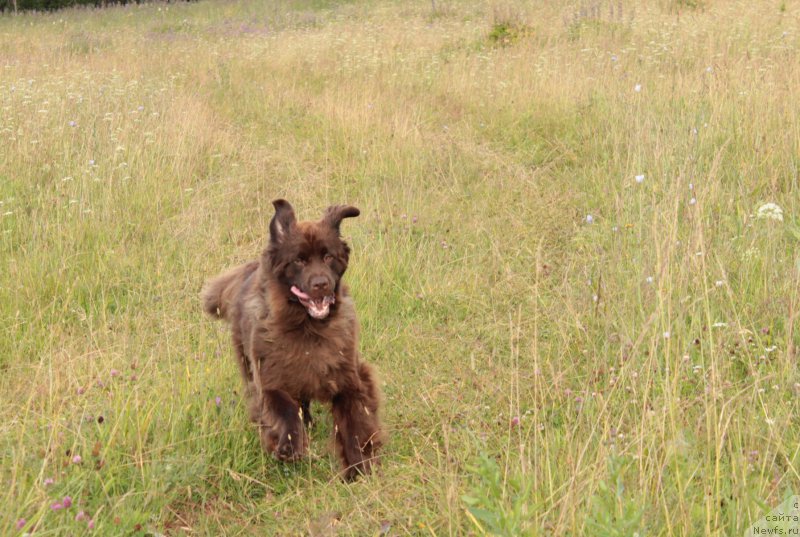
[[583, 324]]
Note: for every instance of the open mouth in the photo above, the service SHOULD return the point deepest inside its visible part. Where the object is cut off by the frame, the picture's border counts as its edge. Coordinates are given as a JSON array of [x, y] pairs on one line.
[[318, 308]]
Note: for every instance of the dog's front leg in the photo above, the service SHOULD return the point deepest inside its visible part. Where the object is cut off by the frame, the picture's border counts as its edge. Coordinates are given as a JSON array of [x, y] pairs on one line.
[[282, 431], [357, 427]]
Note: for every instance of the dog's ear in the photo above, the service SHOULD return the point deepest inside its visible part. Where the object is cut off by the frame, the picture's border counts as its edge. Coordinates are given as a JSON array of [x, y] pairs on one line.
[[336, 213], [282, 223]]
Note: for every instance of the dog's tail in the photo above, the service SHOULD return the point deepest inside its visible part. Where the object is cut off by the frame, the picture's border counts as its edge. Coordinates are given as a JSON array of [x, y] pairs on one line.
[[219, 293]]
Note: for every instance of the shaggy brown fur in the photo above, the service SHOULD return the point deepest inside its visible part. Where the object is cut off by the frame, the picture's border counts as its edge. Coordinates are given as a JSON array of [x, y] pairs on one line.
[[295, 335]]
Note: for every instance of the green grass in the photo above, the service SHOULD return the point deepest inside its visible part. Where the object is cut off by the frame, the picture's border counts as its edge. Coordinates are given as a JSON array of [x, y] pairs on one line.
[[649, 356]]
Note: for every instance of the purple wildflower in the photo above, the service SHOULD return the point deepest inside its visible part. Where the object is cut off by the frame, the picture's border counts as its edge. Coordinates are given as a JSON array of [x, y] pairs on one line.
[[57, 506], [218, 401], [48, 481], [76, 459], [80, 516], [21, 523], [67, 502], [90, 525]]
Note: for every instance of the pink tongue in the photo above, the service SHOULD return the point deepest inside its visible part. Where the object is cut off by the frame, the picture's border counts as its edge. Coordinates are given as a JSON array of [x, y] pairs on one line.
[[300, 294]]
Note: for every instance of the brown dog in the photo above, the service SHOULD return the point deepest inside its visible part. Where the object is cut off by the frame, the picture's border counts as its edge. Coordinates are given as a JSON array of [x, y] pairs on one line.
[[296, 338]]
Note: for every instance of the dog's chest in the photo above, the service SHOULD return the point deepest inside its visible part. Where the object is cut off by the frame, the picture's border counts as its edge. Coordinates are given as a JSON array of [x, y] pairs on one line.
[[307, 365]]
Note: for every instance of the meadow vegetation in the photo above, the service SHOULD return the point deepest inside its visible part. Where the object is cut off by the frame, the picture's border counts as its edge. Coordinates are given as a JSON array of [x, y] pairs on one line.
[[582, 324]]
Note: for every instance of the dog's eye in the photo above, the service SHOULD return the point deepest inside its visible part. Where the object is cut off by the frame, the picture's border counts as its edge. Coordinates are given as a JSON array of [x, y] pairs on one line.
[[300, 261], [328, 258]]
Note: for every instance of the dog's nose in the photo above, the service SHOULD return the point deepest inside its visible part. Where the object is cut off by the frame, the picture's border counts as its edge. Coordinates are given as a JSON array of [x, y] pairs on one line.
[[320, 283]]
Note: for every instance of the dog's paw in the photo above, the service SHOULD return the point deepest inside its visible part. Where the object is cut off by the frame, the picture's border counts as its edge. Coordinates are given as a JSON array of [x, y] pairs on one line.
[[361, 468], [364, 463], [286, 445], [290, 445]]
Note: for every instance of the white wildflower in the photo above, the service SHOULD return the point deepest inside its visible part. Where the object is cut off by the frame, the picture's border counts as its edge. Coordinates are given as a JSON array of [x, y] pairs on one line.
[[770, 210]]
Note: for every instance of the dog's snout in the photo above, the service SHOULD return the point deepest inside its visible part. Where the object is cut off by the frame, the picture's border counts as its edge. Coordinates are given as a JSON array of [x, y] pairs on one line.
[[320, 284]]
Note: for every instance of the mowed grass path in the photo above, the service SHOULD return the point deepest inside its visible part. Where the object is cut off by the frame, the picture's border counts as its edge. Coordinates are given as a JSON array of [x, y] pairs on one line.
[[565, 348]]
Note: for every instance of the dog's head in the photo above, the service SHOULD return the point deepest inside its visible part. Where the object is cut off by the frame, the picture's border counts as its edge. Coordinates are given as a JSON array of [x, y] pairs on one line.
[[307, 259]]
